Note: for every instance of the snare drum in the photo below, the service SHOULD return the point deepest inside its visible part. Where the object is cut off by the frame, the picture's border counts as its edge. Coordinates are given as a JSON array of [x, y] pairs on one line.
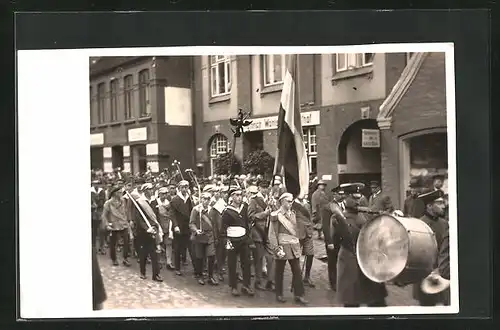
[[396, 249]]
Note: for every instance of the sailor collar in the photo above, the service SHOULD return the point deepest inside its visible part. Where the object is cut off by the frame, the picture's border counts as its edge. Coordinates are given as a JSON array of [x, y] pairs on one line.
[[235, 209], [184, 198]]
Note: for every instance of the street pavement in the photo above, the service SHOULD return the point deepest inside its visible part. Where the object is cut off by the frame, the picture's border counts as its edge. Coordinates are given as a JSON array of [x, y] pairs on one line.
[[125, 289]]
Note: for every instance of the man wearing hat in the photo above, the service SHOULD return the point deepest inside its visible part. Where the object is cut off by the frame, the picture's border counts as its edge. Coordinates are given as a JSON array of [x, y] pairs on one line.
[[283, 237], [305, 228], [236, 229], [438, 182], [98, 196], [202, 229], [379, 202], [114, 217], [353, 287], [258, 213], [163, 205], [414, 207], [218, 207], [433, 217], [318, 201], [180, 209]]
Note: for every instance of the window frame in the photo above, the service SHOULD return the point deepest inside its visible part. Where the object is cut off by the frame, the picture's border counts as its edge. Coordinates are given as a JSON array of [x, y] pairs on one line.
[[101, 103], [352, 61], [307, 133], [214, 61], [114, 86], [128, 96], [265, 70], [144, 93]]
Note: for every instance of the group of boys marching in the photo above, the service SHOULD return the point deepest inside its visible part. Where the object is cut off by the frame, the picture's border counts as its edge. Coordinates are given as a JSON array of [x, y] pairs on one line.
[[250, 224]]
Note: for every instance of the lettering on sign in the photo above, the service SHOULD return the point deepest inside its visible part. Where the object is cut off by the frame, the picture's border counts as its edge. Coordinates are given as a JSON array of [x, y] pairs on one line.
[[137, 134], [152, 149], [310, 118], [370, 138], [341, 168], [97, 139], [326, 177]]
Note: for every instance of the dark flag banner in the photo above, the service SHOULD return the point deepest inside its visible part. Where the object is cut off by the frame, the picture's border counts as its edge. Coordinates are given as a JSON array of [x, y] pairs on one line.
[[292, 155]]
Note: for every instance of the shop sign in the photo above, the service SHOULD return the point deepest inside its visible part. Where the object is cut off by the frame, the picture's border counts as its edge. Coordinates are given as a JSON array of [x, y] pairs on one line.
[[326, 177], [97, 139], [341, 168], [310, 118], [370, 138], [137, 134]]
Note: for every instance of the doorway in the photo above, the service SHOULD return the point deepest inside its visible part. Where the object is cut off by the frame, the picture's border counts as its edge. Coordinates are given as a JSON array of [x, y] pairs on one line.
[[96, 158], [139, 161], [117, 156], [252, 141]]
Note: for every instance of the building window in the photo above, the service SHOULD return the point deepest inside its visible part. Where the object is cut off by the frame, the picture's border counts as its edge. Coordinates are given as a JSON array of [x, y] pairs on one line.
[[144, 99], [218, 146], [101, 103], [91, 106], [114, 99], [220, 75], [345, 61], [128, 97], [311, 148], [274, 69]]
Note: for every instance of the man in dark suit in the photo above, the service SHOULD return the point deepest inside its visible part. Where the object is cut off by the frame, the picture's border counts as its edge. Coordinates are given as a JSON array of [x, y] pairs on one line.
[[318, 201], [180, 207], [414, 207], [379, 202]]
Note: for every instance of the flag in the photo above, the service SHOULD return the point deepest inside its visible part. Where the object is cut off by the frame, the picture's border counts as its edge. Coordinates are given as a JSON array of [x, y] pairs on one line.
[[292, 155]]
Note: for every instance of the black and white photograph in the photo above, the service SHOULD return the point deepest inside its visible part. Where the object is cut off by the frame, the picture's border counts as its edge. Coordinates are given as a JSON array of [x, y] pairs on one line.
[[240, 181]]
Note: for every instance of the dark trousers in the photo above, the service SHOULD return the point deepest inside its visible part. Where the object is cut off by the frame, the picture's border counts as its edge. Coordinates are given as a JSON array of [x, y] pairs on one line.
[[332, 265], [258, 258], [95, 232], [182, 243], [220, 255], [201, 256], [114, 240], [147, 247], [298, 285], [241, 250]]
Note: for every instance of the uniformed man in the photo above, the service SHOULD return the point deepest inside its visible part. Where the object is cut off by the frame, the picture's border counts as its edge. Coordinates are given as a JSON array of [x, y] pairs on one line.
[[258, 213], [353, 287], [148, 231], [433, 217], [220, 242], [329, 215], [98, 196], [235, 227], [163, 205], [283, 236], [305, 228], [413, 206], [180, 207], [379, 202], [203, 239], [114, 217], [318, 201]]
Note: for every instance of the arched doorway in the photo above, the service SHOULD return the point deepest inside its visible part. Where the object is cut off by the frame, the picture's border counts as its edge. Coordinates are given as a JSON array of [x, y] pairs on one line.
[[359, 153], [217, 145]]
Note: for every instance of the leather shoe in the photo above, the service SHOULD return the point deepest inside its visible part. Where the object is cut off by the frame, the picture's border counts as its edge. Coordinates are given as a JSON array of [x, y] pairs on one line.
[[301, 300], [240, 278], [221, 278], [143, 276], [157, 278], [178, 273], [259, 287], [235, 292], [201, 281], [270, 286], [248, 291], [126, 263], [212, 281], [280, 299], [170, 267], [115, 263]]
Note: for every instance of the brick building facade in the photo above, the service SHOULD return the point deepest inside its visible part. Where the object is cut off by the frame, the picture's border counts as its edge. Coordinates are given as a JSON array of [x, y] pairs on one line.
[[140, 108], [341, 96]]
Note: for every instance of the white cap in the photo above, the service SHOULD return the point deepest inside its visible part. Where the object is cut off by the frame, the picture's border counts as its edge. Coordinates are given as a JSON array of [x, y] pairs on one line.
[[287, 196], [146, 186]]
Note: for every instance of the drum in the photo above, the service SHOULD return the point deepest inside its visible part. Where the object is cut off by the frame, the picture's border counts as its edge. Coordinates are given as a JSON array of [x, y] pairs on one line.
[[396, 249]]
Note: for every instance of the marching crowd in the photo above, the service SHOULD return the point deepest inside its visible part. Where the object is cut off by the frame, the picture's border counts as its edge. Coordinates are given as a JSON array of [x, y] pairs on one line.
[[247, 225]]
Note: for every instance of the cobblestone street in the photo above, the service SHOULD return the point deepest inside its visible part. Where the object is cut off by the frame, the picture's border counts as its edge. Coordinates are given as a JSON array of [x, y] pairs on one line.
[[126, 290]]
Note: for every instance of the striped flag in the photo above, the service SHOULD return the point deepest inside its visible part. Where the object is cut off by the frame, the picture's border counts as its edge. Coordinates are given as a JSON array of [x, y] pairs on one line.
[[292, 155]]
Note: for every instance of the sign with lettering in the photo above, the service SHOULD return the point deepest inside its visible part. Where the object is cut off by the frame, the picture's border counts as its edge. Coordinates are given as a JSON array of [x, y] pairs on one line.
[[370, 138], [137, 134], [326, 177], [97, 139], [341, 168], [310, 118]]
